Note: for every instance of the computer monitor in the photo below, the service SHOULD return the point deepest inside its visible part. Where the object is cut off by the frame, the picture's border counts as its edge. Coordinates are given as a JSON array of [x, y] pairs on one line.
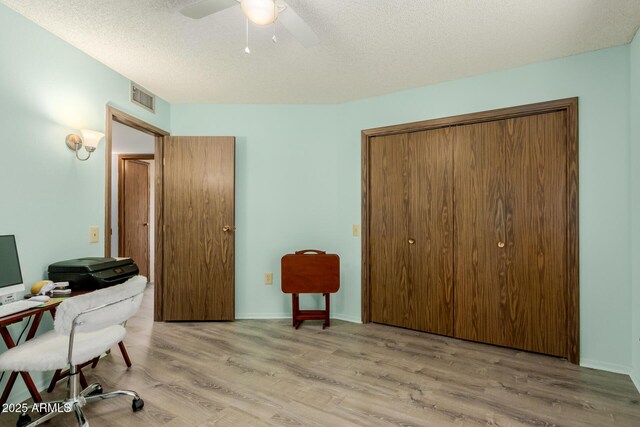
[[10, 273]]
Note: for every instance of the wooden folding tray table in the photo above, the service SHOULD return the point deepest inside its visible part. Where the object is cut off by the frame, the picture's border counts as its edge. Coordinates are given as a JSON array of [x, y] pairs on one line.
[[310, 271]]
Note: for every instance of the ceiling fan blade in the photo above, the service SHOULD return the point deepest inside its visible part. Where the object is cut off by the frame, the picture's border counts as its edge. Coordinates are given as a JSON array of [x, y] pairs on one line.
[[297, 27], [206, 7]]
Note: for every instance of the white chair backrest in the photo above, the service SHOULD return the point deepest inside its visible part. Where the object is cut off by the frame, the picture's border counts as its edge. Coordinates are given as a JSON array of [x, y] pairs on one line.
[[125, 300]]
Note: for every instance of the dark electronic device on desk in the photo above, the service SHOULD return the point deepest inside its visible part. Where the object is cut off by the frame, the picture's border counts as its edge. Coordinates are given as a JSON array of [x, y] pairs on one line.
[[11, 279], [93, 273]]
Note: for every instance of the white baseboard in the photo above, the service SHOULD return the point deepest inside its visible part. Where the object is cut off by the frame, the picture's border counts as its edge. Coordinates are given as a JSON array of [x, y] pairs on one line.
[[249, 316], [635, 377], [346, 318], [606, 366], [263, 316]]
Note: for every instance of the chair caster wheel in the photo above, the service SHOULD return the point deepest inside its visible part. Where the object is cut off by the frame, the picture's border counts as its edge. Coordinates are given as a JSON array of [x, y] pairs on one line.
[[137, 405], [97, 391], [23, 420]]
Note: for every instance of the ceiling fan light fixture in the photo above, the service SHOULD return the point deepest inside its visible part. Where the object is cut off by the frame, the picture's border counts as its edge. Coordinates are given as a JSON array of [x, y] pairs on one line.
[[260, 12]]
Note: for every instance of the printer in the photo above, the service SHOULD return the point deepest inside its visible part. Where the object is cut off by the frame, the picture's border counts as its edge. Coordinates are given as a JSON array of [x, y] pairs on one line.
[[93, 273]]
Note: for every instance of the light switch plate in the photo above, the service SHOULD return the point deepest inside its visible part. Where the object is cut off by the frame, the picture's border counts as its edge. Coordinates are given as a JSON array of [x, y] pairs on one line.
[[94, 234], [268, 278], [356, 230]]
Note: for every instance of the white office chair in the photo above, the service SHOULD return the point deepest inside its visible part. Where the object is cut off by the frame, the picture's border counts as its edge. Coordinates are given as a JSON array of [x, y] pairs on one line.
[[84, 327]]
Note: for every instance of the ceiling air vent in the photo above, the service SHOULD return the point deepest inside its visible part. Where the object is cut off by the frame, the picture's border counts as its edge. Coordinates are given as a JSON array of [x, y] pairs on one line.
[[143, 97]]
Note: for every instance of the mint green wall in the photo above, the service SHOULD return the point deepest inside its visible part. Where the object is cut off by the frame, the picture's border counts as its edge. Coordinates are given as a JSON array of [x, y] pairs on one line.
[[635, 200], [49, 199], [298, 181]]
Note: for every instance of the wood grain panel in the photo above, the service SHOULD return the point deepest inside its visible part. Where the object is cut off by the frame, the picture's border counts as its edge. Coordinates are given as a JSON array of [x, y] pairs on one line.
[[365, 298], [134, 213], [430, 172], [536, 207], [158, 239], [572, 235], [481, 313], [108, 152], [388, 231], [199, 176]]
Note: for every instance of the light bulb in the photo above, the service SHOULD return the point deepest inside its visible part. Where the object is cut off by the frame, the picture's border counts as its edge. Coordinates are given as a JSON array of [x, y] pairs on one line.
[[260, 12], [90, 139]]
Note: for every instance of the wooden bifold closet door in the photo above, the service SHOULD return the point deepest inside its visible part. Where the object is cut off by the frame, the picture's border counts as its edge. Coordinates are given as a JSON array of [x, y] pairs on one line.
[[510, 233], [411, 230], [470, 227]]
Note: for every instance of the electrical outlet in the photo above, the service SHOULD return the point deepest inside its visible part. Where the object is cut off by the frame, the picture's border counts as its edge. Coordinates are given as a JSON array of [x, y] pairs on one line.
[[268, 278], [356, 230], [94, 234]]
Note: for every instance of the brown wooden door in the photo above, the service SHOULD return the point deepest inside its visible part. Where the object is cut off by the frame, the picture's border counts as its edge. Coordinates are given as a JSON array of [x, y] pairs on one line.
[[411, 230], [388, 231], [431, 230], [536, 293], [479, 227], [134, 212], [199, 195], [510, 233]]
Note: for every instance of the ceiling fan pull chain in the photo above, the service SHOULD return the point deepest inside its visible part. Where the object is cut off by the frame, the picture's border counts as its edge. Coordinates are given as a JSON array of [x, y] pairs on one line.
[[275, 22], [246, 49]]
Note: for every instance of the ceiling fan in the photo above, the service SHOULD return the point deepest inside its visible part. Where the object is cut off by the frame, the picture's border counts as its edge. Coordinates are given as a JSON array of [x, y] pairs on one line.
[[260, 12]]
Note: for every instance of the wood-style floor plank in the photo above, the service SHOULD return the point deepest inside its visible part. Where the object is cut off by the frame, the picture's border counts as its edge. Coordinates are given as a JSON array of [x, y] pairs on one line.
[[263, 372]]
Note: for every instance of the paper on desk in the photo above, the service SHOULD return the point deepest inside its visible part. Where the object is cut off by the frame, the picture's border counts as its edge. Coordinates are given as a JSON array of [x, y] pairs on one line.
[[51, 301]]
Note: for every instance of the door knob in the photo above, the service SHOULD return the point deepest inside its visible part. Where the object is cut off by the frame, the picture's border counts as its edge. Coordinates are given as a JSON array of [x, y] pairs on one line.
[[145, 224], [228, 228], [501, 244], [411, 241]]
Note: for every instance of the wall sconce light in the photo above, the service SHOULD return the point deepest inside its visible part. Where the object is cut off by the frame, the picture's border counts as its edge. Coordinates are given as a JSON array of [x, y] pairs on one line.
[[89, 139]]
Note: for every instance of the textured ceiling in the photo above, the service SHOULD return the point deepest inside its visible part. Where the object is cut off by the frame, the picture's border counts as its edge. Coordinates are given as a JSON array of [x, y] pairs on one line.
[[368, 47]]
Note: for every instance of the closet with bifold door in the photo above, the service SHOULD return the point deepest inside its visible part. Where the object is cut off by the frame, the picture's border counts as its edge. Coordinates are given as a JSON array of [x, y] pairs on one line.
[[470, 227], [411, 230]]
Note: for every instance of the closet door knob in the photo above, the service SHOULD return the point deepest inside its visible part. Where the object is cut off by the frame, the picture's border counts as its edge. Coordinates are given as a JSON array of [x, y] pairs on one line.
[[501, 244], [411, 241]]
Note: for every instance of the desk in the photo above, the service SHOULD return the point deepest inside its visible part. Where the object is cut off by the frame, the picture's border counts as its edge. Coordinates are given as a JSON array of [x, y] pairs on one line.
[[38, 313]]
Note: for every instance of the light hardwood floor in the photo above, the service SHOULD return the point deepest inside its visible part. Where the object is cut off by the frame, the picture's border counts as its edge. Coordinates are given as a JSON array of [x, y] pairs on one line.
[[263, 372]]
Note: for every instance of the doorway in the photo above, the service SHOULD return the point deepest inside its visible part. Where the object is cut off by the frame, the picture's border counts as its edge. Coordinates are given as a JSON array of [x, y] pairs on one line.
[[135, 204], [131, 139]]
